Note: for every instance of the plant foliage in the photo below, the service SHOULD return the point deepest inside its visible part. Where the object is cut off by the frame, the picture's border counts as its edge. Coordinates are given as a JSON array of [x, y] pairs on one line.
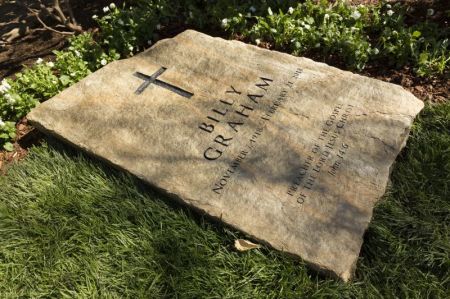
[[354, 35]]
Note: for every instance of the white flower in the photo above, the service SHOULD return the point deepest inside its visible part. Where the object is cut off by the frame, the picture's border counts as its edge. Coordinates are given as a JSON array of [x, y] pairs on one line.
[[112, 6], [1, 123], [4, 82], [39, 61], [326, 16], [291, 10], [376, 51], [77, 53], [130, 48], [9, 99], [120, 22], [258, 41], [388, 6], [4, 87], [224, 23], [390, 12], [158, 27], [103, 61], [50, 64], [269, 10], [252, 9], [430, 12], [105, 9], [95, 17], [356, 15], [149, 42]]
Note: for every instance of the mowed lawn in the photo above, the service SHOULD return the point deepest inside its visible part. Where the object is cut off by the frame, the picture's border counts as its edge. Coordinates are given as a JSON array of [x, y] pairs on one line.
[[72, 227]]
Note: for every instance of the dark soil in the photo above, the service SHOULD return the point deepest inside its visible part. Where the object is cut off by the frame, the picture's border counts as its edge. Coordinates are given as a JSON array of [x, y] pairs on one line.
[[26, 137], [36, 42], [432, 90]]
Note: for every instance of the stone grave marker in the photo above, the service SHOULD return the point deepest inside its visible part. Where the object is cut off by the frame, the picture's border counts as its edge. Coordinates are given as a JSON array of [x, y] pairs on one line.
[[293, 152]]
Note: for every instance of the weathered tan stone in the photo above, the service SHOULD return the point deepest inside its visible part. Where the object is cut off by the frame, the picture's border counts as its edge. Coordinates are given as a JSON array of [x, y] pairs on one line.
[[300, 157]]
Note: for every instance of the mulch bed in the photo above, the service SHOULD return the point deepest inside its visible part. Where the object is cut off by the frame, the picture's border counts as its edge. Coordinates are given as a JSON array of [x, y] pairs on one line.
[[25, 50], [431, 90], [36, 42]]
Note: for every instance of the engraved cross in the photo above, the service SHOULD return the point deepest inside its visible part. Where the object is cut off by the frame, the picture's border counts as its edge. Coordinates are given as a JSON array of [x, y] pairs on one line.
[[153, 79]]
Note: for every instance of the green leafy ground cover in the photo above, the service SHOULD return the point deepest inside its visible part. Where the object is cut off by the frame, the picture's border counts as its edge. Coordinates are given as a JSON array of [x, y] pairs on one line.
[[351, 36], [72, 227]]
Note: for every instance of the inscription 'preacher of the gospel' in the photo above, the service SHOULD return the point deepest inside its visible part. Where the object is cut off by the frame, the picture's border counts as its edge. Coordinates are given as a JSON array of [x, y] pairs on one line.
[[328, 147], [263, 116], [292, 152]]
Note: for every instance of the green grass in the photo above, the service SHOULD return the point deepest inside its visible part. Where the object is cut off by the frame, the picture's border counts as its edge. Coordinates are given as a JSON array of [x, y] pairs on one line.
[[72, 227]]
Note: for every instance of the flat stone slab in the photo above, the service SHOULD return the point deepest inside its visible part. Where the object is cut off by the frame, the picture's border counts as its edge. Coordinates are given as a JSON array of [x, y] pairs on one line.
[[293, 152]]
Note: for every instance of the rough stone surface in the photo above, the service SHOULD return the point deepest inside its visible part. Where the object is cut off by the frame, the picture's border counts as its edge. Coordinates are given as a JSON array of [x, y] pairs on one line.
[[293, 152]]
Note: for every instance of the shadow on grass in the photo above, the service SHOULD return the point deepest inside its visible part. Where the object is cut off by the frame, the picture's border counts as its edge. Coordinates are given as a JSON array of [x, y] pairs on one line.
[[72, 226]]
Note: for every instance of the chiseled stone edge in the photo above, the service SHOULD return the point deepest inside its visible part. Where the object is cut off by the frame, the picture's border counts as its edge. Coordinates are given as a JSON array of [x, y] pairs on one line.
[[345, 276]]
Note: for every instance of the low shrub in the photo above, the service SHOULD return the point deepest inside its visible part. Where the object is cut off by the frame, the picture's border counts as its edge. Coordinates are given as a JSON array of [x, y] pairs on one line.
[[356, 35]]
